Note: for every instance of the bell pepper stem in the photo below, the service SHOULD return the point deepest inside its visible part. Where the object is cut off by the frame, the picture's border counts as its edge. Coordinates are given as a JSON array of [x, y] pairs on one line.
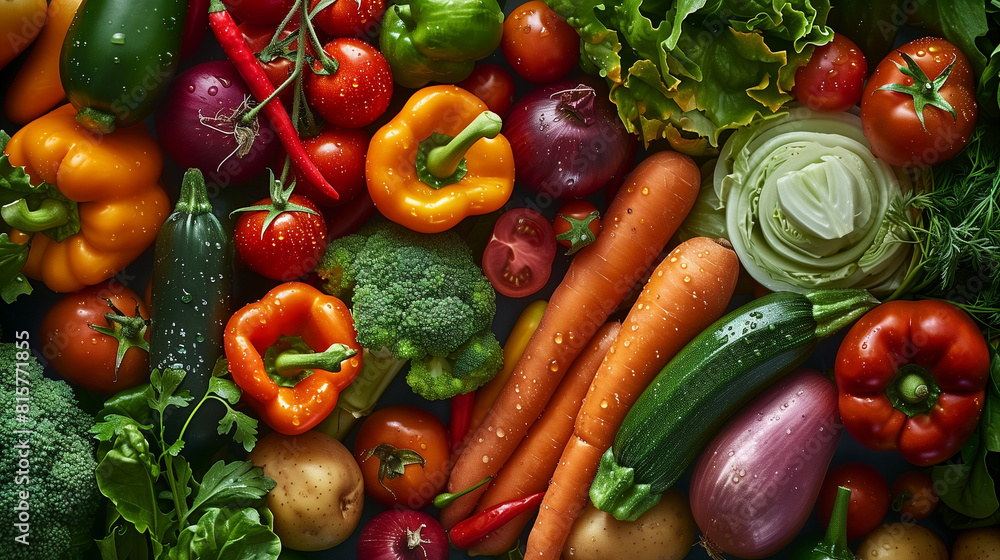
[[913, 388], [50, 213], [444, 160], [291, 361], [836, 531]]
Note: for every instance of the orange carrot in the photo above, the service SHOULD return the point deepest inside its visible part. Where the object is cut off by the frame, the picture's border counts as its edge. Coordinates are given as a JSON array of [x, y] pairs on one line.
[[645, 213], [687, 292], [528, 470], [36, 88]]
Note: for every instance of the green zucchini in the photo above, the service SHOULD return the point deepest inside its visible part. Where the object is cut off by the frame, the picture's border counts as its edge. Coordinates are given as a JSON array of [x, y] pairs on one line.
[[118, 57], [706, 382], [191, 293]]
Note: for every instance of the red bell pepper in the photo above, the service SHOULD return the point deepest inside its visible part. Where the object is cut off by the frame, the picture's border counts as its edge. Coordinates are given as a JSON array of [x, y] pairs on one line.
[[912, 377], [292, 353]]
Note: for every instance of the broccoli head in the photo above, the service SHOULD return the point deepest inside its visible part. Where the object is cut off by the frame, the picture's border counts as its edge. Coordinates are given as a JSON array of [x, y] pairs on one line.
[[466, 369], [419, 295], [47, 480]]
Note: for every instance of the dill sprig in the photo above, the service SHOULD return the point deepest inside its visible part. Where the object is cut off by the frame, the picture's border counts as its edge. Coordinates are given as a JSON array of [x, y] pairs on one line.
[[958, 231]]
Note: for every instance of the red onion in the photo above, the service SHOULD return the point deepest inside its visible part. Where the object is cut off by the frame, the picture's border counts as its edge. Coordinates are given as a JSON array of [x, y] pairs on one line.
[[567, 138], [754, 485], [403, 534], [198, 125]]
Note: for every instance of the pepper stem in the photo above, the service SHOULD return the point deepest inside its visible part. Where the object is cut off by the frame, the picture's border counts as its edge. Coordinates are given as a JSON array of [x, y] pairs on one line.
[[443, 161], [51, 213], [913, 390], [836, 531], [290, 362], [444, 499]]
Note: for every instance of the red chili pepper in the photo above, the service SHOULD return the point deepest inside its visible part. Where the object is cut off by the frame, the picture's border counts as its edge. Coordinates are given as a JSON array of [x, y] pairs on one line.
[[474, 529], [912, 377], [461, 417], [235, 46]]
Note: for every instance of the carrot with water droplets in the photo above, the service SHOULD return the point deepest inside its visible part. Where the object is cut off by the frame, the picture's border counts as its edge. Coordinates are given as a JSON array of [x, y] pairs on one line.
[[530, 467], [687, 292], [645, 213]]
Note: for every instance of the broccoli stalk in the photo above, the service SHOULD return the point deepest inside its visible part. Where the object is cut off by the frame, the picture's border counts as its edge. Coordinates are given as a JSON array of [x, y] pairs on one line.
[[417, 298]]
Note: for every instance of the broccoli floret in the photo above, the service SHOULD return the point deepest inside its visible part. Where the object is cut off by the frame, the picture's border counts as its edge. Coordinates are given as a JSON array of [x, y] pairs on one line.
[[47, 478], [464, 370], [421, 297]]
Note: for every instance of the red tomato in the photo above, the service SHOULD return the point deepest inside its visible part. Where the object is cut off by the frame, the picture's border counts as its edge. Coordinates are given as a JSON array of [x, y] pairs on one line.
[[577, 224], [913, 494], [493, 85], [834, 77], [259, 12], [339, 154], [85, 357], [358, 92], [280, 67], [353, 18], [869, 497], [889, 118], [412, 435], [518, 258], [290, 246], [538, 43]]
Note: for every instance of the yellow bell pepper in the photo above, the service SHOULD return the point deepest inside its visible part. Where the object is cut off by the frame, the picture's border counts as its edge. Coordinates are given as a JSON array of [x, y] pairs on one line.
[[442, 158], [86, 205]]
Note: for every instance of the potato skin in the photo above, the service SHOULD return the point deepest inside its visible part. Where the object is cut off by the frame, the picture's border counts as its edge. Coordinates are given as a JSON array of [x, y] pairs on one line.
[[902, 541], [319, 494], [976, 544], [665, 532]]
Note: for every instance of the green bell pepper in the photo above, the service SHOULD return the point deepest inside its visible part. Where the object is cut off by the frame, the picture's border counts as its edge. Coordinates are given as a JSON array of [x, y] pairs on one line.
[[439, 40]]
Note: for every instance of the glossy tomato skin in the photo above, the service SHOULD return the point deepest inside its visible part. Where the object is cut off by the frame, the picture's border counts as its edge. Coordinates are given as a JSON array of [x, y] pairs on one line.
[[85, 357], [406, 428], [259, 12], [493, 85], [280, 68], [291, 245], [913, 495], [888, 118], [358, 92], [339, 154], [578, 209], [834, 77], [869, 497], [356, 18], [538, 43], [518, 258]]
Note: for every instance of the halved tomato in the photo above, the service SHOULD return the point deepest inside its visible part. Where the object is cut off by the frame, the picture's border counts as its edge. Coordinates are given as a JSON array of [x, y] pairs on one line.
[[518, 258]]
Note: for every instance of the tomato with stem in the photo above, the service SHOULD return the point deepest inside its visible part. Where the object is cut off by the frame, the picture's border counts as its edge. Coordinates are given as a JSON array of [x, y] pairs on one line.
[[98, 338], [518, 258], [356, 18], [404, 453], [576, 225], [358, 91], [913, 494], [834, 77]]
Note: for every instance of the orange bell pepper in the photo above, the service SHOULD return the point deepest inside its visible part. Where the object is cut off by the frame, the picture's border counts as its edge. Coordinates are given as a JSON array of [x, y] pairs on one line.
[[85, 206], [20, 23], [442, 158], [293, 384], [36, 87]]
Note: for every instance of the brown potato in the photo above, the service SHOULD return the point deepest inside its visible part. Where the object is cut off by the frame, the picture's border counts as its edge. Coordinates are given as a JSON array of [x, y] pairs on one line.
[[665, 532], [320, 492], [977, 544], [902, 541]]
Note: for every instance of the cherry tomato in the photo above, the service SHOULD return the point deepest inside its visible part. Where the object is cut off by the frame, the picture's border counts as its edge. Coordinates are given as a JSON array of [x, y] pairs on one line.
[[577, 224], [86, 357], [493, 85], [408, 436], [339, 154], [518, 258], [355, 18], [259, 12], [290, 246], [834, 77], [538, 43], [889, 118], [913, 494], [869, 497], [279, 68], [358, 92]]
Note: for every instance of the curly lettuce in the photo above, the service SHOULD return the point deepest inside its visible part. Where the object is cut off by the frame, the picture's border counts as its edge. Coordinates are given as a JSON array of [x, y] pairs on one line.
[[689, 70], [806, 205]]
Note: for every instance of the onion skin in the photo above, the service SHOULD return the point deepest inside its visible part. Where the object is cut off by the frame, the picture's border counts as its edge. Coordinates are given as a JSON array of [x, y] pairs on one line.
[[557, 153], [205, 90], [391, 535], [754, 486]]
